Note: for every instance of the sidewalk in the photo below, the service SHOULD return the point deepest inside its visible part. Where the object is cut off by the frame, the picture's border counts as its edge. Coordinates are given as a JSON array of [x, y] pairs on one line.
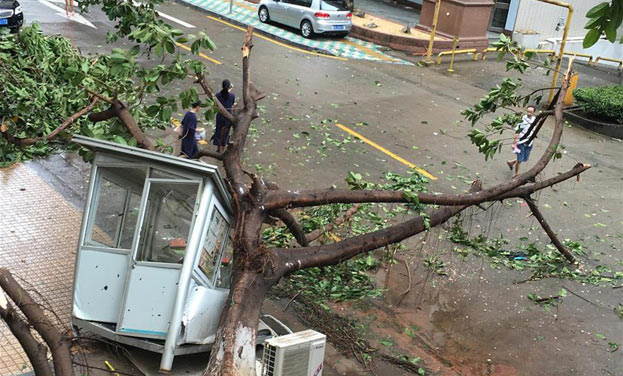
[[391, 11], [38, 240]]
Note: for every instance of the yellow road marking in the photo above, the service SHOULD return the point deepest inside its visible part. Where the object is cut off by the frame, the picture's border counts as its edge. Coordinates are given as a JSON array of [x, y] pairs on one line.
[[379, 147], [278, 43], [217, 62], [367, 50]]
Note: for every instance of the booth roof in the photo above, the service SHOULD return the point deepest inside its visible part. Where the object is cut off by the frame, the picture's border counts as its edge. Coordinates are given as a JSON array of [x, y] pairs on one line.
[[153, 156]]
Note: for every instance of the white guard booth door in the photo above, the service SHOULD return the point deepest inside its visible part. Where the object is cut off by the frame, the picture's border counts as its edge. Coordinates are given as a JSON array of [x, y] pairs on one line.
[[168, 211], [104, 255]]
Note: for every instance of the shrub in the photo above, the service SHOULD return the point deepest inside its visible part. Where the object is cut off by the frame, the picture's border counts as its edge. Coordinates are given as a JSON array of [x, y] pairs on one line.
[[604, 102]]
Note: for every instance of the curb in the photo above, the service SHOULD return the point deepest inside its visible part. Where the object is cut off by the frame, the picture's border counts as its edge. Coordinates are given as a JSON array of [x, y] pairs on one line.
[[607, 129], [255, 30]]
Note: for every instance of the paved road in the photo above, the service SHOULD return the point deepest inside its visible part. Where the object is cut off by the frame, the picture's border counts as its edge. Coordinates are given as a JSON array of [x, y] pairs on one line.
[[410, 116]]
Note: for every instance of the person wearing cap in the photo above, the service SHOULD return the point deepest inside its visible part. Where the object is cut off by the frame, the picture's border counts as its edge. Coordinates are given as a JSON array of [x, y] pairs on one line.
[[189, 124], [223, 125]]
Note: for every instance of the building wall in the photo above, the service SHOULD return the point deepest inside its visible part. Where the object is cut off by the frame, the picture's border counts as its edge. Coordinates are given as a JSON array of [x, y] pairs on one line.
[[543, 17]]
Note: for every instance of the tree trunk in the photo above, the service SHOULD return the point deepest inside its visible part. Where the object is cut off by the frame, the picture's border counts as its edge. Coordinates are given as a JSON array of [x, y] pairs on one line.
[[36, 352], [233, 352], [58, 344]]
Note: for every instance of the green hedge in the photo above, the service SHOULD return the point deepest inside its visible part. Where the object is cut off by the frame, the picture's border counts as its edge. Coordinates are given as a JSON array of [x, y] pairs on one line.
[[605, 102]]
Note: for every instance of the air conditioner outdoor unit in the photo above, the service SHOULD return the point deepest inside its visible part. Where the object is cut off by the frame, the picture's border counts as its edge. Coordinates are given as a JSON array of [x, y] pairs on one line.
[[296, 354]]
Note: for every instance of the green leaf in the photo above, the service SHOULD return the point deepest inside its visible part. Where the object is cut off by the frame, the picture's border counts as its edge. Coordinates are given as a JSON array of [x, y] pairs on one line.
[[611, 31], [592, 23], [120, 140], [591, 38], [600, 336], [411, 197], [597, 10]]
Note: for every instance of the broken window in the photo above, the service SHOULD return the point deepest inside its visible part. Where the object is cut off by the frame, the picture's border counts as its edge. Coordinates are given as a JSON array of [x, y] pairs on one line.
[[213, 245], [117, 201]]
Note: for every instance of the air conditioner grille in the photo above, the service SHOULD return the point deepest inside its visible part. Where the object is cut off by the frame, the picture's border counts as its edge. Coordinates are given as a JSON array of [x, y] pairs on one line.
[[268, 360]]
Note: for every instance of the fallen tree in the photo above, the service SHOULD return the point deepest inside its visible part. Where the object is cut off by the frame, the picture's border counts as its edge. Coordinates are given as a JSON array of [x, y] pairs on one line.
[[257, 202]]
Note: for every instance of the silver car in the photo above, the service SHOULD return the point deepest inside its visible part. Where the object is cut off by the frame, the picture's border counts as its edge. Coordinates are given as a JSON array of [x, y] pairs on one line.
[[309, 16]]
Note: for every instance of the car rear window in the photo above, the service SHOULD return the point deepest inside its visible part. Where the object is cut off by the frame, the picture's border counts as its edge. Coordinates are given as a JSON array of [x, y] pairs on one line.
[[333, 5]]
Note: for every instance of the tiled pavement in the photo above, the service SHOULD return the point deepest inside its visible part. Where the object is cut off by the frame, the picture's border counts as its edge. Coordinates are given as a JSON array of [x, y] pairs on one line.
[[246, 13], [38, 236]]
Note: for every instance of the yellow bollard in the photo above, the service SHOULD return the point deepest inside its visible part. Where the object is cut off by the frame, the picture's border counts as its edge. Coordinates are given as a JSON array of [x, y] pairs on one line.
[[428, 61], [573, 83], [456, 41]]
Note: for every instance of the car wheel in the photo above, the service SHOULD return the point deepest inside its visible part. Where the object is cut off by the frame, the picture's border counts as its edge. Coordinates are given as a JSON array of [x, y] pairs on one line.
[[263, 15], [307, 30]]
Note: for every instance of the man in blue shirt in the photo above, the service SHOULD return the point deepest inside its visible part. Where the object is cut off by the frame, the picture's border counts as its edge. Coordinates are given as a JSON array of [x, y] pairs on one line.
[[189, 124]]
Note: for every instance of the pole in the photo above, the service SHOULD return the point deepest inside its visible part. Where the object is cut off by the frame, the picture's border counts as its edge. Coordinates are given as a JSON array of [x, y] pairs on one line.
[[456, 41], [429, 52], [563, 42], [193, 246], [231, 6]]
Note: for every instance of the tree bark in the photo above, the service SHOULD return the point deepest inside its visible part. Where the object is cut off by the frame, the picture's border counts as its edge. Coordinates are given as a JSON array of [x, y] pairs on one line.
[[233, 352], [58, 344], [548, 230], [122, 112], [292, 225], [36, 352]]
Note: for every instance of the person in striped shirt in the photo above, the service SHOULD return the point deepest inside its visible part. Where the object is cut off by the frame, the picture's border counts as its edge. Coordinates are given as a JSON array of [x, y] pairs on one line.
[[522, 143]]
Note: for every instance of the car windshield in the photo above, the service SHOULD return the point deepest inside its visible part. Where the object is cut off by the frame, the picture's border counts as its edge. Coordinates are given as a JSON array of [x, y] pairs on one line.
[[333, 5]]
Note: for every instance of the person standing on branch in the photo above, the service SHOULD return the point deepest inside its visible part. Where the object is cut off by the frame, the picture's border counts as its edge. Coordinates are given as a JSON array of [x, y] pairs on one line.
[[189, 125], [223, 125], [522, 145]]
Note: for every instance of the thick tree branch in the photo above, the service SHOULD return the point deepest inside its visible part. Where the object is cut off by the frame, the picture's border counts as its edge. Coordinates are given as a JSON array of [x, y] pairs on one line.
[[292, 224], [36, 351], [345, 196], [54, 133], [246, 74], [57, 343], [208, 153], [548, 230], [206, 89], [340, 251], [119, 110], [294, 259], [531, 188], [242, 122]]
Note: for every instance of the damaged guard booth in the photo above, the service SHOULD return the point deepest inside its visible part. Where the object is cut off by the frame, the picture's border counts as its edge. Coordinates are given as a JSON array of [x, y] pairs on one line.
[[154, 262]]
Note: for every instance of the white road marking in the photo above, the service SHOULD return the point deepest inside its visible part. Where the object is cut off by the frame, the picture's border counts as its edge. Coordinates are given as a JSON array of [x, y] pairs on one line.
[[170, 18], [61, 12]]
